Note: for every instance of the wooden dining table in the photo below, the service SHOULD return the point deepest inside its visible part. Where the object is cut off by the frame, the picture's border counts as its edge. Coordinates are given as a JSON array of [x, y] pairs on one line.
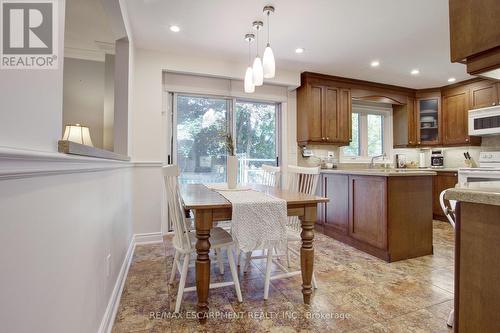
[[209, 206]]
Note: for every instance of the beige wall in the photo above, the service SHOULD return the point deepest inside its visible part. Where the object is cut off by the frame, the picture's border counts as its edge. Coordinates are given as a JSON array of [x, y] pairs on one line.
[[83, 96]]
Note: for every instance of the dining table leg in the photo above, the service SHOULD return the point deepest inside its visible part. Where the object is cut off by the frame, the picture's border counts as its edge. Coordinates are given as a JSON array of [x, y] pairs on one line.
[[203, 222], [307, 250]]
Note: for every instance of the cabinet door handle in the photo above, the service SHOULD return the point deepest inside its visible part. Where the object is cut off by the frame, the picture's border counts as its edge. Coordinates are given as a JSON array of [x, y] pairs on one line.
[[493, 103], [323, 138], [327, 138], [467, 140]]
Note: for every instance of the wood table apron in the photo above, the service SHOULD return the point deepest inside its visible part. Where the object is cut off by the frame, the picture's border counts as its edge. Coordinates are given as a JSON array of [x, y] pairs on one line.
[[209, 206]]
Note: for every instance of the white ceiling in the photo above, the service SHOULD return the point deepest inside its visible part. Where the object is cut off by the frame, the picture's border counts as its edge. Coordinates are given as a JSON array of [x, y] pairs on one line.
[[341, 37]]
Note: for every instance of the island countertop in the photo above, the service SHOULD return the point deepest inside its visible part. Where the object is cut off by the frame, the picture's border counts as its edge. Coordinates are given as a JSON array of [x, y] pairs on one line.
[[381, 172], [487, 193]]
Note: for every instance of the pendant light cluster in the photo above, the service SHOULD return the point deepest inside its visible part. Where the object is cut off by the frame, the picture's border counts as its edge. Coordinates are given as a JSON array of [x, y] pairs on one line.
[[261, 68]]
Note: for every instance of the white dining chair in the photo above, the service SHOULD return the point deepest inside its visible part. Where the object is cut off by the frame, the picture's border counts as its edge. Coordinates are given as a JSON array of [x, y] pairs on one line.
[[449, 212], [184, 240], [303, 180], [271, 175], [298, 180]]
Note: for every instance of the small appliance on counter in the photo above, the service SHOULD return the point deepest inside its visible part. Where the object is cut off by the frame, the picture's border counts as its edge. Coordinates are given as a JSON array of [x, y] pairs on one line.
[[400, 161], [422, 160], [437, 159]]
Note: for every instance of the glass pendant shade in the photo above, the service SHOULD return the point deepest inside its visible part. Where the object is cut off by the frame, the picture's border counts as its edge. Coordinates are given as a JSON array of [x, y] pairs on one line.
[[268, 63], [249, 86], [258, 72]]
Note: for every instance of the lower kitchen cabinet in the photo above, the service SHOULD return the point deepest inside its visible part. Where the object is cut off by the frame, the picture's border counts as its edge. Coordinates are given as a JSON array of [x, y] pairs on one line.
[[388, 217], [442, 181]]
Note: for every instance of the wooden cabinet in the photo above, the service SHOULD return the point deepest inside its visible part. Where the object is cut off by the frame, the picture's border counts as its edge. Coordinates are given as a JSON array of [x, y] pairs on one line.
[[477, 272], [429, 119], [404, 124], [474, 35], [455, 116], [484, 94], [444, 180], [372, 213], [367, 210], [323, 112], [336, 211]]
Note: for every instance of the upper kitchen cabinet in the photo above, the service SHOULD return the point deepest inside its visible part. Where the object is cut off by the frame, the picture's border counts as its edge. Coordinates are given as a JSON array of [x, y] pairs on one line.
[[323, 111], [455, 117], [428, 118], [404, 122], [475, 36], [483, 94]]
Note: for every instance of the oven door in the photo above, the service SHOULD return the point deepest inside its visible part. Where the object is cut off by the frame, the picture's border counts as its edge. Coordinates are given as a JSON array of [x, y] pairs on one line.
[[478, 175]]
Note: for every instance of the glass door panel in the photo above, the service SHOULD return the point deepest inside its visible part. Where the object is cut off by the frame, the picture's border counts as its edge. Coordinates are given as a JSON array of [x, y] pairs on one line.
[[256, 133], [428, 120], [201, 154]]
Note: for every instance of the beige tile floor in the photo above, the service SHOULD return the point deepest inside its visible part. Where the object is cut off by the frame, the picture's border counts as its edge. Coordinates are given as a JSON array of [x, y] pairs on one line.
[[357, 293]]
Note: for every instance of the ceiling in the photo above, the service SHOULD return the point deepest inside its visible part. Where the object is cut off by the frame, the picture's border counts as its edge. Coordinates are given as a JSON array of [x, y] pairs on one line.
[[340, 37]]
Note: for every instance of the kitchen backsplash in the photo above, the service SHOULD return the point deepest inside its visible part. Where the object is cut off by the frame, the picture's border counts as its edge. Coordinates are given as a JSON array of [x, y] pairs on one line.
[[453, 156]]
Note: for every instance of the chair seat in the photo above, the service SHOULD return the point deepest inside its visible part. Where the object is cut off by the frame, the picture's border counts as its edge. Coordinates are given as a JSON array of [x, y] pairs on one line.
[[218, 238]]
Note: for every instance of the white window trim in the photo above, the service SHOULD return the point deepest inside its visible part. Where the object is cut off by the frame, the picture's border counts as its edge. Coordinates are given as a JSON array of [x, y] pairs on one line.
[[364, 109]]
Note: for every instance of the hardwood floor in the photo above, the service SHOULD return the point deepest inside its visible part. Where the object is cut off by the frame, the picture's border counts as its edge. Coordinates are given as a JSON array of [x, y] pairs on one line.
[[357, 293]]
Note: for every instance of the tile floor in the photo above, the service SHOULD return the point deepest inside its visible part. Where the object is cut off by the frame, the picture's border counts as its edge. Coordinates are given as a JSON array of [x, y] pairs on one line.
[[357, 293]]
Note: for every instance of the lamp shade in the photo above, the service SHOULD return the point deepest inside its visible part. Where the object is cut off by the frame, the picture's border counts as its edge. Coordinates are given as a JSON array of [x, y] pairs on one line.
[[268, 62], [249, 86], [258, 72], [78, 133]]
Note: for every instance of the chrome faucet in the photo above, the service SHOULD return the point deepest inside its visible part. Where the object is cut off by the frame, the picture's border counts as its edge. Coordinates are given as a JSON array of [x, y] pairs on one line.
[[372, 163]]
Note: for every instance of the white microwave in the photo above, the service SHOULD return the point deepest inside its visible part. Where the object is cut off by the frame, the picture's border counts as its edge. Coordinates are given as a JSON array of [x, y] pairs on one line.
[[485, 121]]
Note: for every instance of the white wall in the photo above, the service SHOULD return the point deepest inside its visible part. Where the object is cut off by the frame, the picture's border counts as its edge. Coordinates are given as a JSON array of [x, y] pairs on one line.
[[57, 225], [149, 123], [31, 103], [56, 232]]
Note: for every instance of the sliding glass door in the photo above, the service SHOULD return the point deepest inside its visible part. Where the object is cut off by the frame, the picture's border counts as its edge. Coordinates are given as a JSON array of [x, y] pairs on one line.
[[199, 123], [200, 152], [256, 129]]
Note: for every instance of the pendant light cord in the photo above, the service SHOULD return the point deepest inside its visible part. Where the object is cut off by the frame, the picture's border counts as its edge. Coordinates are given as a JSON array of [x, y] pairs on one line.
[[268, 28]]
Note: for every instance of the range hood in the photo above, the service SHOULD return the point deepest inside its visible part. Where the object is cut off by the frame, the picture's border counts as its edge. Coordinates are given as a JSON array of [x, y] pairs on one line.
[[484, 121]]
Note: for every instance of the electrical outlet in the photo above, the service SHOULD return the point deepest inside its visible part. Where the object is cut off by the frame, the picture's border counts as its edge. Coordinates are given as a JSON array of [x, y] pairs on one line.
[[108, 265], [331, 154]]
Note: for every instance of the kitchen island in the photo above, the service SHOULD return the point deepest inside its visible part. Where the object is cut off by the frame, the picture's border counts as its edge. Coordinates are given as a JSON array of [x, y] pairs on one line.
[[477, 264], [384, 212]]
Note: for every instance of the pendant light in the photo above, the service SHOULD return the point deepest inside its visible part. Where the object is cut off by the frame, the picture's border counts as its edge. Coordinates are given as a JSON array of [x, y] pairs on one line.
[[249, 86], [268, 57], [258, 70]]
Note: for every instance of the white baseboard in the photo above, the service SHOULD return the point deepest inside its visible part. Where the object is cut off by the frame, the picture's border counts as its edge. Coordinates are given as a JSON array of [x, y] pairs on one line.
[[148, 238], [114, 300]]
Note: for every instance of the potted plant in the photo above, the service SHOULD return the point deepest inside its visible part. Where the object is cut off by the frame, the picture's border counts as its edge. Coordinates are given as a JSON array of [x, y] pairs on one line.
[[232, 162]]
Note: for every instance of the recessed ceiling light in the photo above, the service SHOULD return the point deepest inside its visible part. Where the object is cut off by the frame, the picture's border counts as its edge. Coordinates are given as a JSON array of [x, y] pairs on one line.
[[175, 28], [299, 50], [375, 63], [452, 79], [415, 72]]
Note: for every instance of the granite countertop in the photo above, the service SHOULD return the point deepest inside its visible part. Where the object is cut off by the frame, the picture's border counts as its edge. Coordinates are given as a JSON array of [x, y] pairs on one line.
[[487, 193], [381, 172]]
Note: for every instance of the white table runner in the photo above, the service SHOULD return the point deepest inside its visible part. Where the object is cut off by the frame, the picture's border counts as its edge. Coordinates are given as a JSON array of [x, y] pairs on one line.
[[258, 220]]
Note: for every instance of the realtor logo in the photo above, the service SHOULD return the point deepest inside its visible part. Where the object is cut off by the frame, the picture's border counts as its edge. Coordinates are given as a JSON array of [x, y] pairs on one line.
[[29, 34]]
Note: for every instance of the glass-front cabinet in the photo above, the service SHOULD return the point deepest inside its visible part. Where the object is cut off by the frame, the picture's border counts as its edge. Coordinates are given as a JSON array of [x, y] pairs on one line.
[[428, 120]]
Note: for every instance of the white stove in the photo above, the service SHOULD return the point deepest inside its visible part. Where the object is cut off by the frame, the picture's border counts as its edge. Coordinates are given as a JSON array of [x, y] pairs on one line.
[[489, 169]]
